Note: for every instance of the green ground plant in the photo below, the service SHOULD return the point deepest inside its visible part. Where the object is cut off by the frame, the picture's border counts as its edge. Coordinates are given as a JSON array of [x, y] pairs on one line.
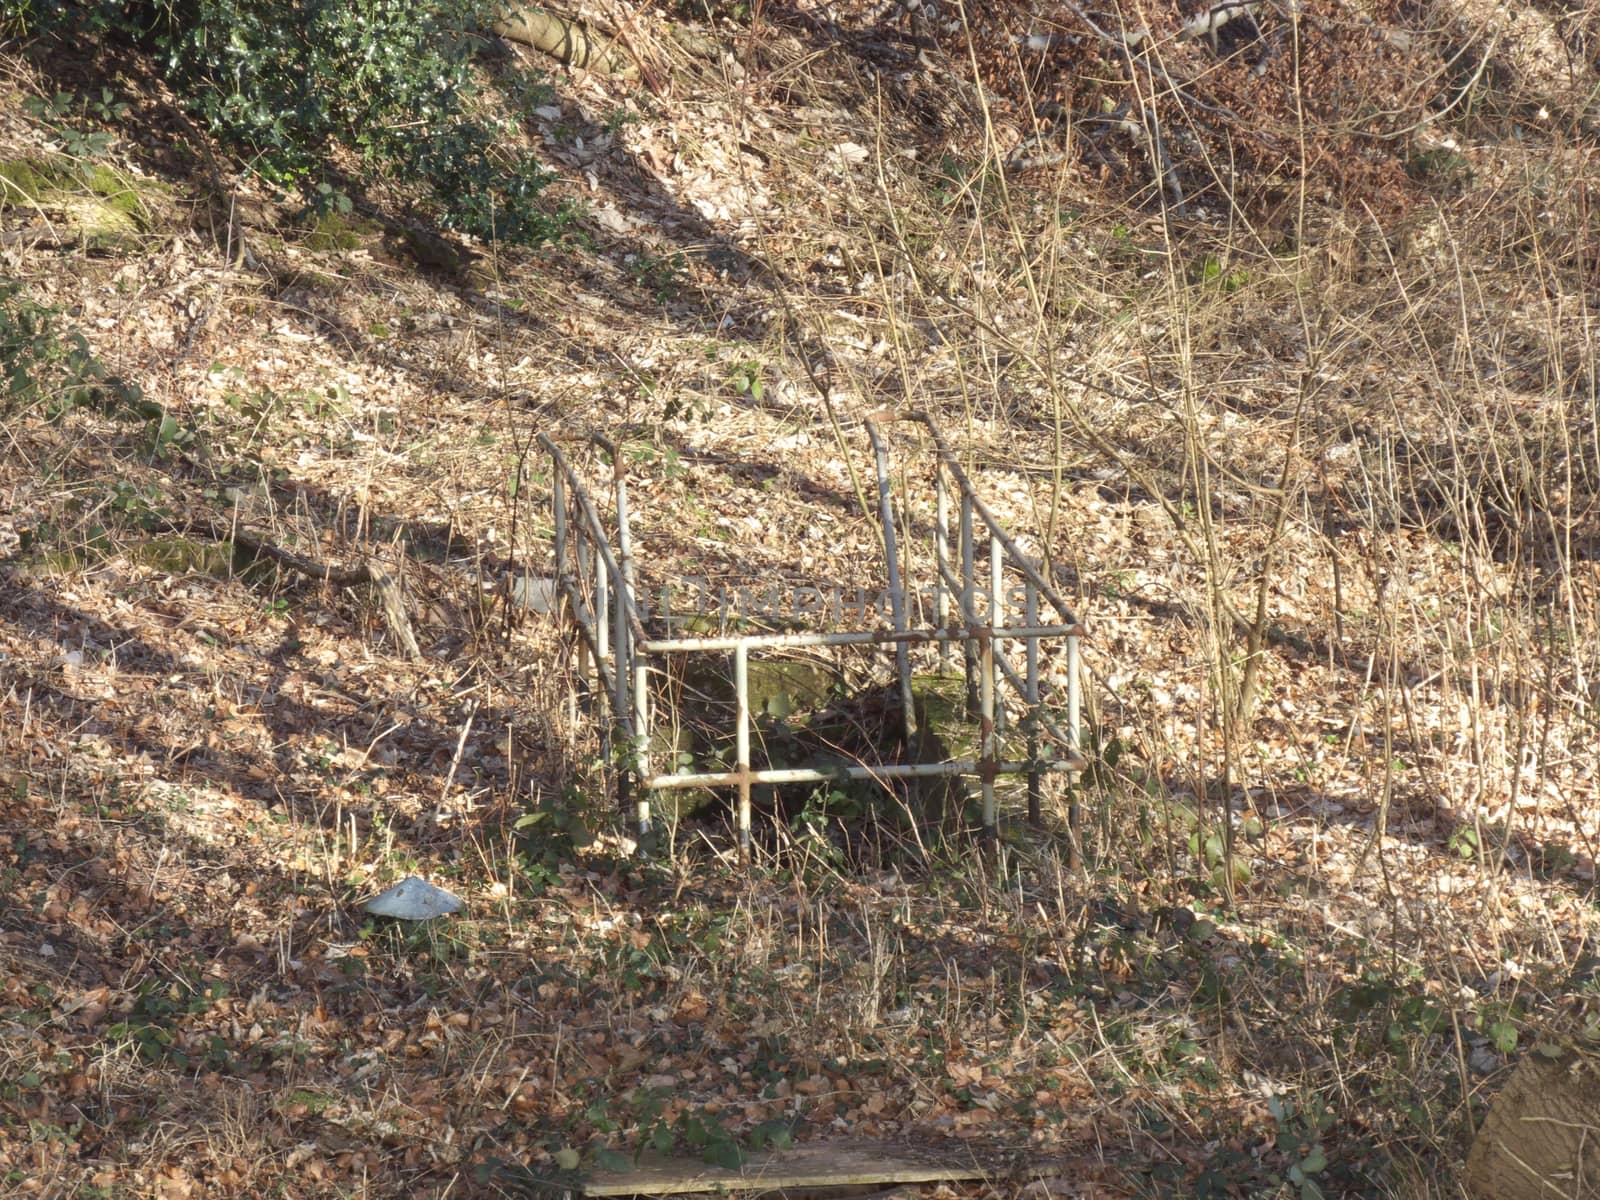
[[1340, 871], [45, 366], [292, 86]]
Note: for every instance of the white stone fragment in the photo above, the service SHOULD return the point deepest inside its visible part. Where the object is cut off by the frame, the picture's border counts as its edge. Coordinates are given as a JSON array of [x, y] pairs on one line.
[[413, 900]]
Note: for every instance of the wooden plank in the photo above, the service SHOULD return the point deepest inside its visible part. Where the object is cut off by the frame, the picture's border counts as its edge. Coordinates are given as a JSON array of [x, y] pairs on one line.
[[818, 1165]]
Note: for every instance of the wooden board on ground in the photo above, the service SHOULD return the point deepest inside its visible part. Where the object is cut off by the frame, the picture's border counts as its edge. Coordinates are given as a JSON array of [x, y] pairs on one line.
[[822, 1165]]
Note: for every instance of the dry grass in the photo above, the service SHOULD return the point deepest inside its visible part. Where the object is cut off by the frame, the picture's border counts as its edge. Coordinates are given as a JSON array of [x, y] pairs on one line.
[[1323, 485]]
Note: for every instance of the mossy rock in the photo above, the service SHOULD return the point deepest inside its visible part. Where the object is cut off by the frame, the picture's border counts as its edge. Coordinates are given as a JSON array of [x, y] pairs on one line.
[[53, 564], [783, 687], [941, 707], [340, 231], [795, 696], [678, 750], [947, 730], [803, 713], [778, 687], [178, 555], [188, 556], [105, 208], [321, 282], [940, 702]]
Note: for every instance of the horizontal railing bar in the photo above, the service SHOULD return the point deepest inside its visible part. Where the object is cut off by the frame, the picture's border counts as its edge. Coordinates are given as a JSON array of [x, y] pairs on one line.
[[854, 637], [815, 775]]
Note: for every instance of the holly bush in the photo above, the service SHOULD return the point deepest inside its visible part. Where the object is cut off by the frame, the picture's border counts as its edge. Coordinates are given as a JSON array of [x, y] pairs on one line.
[[293, 86]]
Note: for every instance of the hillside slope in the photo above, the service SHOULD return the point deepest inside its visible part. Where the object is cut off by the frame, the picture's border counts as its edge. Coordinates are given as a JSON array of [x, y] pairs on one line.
[[1309, 435]]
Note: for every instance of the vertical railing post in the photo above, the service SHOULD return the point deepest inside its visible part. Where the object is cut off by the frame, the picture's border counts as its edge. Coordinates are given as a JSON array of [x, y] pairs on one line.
[[897, 596], [558, 503], [602, 601], [968, 614], [632, 674], [1075, 732], [988, 755], [941, 558], [622, 704], [641, 737], [741, 691], [565, 589], [996, 616], [1031, 680], [591, 574]]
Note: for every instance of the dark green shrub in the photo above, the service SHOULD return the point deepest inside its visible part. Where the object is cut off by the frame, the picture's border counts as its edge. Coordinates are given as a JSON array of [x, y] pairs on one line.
[[294, 86], [47, 367]]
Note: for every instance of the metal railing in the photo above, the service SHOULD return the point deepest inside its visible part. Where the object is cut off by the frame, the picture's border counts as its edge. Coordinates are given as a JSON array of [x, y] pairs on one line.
[[597, 580]]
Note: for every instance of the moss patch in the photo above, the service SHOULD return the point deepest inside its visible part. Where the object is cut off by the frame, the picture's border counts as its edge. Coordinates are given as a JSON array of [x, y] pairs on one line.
[[22, 181], [338, 232], [186, 556], [104, 207]]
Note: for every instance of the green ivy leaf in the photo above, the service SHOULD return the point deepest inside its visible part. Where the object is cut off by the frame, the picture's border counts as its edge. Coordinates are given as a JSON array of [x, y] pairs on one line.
[[610, 1160], [724, 1153]]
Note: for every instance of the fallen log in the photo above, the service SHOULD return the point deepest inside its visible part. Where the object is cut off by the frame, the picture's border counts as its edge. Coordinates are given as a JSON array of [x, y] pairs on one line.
[[563, 39]]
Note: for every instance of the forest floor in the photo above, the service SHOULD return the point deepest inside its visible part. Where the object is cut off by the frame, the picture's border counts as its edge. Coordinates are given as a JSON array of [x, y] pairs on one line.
[[1373, 444]]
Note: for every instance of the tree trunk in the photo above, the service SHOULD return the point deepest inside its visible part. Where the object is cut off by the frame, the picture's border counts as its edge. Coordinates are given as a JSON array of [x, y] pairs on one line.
[[1541, 1139], [560, 38]]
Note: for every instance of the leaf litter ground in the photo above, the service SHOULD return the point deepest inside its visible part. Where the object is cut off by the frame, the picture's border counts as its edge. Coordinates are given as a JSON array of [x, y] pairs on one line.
[[207, 765]]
